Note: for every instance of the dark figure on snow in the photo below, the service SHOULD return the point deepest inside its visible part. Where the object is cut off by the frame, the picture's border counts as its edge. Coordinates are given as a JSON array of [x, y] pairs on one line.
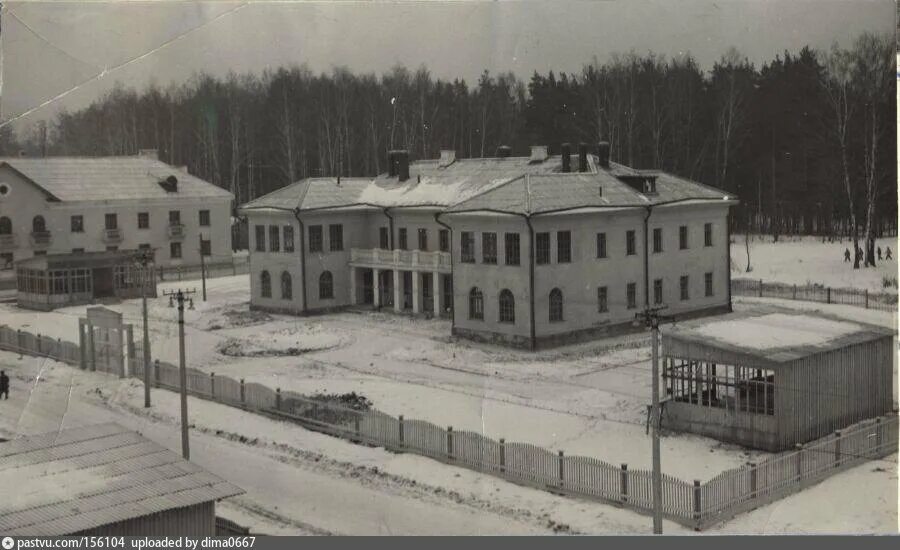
[[887, 253], [879, 252], [846, 254], [859, 254], [4, 385]]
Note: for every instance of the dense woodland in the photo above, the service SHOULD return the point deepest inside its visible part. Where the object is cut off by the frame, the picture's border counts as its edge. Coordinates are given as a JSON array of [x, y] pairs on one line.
[[807, 140]]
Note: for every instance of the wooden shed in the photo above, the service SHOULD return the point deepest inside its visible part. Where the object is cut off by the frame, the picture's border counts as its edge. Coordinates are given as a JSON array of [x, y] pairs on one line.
[[771, 381], [104, 480], [59, 280]]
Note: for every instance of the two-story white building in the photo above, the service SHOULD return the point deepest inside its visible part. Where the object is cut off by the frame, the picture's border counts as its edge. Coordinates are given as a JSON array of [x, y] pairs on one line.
[[65, 205], [529, 251]]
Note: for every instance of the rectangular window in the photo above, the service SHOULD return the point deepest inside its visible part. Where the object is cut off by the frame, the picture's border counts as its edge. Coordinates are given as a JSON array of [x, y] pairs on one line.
[[601, 245], [384, 241], [288, 232], [112, 248], [174, 217], [423, 239], [542, 248], [658, 291], [444, 237], [563, 247], [401, 237], [707, 234], [511, 245], [315, 238], [143, 220], [77, 224], [657, 239], [204, 218], [467, 247], [602, 300], [629, 243], [336, 237], [174, 250], [205, 247], [685, 293], [260, 238], [729, 387], [631, 295], [274, 238], [489, 248], [683, 237], [111, 221], [708, 283]]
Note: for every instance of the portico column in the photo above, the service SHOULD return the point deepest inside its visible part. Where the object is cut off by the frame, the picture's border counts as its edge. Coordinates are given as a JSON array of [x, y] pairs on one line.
[[352, 286], [416, 296], [398, 304], [436, 292], [376, 288]]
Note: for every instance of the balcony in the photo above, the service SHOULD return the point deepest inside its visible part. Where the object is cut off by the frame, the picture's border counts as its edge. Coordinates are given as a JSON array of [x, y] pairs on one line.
[[7, 242], [406, 260], [41, 238], [176, 231], [112, 235]]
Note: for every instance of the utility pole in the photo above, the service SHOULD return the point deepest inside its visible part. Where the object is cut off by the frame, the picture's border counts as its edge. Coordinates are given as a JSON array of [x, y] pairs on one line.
[[651, 318], [179, 296], [144, 259], [202, 268]]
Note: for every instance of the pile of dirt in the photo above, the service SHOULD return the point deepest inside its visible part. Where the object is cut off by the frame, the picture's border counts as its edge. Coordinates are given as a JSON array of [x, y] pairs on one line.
[[236, 318], [234, 347], [352, 400]]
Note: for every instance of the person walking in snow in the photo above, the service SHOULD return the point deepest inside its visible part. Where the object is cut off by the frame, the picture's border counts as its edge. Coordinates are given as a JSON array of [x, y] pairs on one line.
[[846, 255], [887, 253], [4, 385], [879, 252]]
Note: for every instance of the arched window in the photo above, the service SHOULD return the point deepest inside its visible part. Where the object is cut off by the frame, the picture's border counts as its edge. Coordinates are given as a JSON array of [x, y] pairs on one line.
[[287, 287], [476, 304], [556, 305], [507, 307], [265, 283], [38, 225], [5, 226], [326, 286]]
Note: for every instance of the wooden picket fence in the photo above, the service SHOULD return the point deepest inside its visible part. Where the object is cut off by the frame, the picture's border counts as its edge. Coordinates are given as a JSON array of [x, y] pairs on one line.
[[758, 288], [693, 504]]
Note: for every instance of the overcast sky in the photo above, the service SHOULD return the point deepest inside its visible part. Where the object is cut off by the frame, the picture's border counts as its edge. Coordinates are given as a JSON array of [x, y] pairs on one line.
[[50, 48]]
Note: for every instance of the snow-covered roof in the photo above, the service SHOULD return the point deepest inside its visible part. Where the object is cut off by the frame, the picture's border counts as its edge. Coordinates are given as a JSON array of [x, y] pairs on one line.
[[69, 481], [775, 337], [110, 178]]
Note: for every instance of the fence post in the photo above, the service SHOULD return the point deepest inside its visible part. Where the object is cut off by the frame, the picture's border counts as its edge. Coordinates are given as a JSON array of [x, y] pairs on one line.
[[760, 288], [162, 273], [867, 298], [450, 442], [623, 482], [799, 450], [400, 428], [38, 340], [156, 372], [878, 435], [356, 425], [59, 348], [753, 480], [233, 267], [837, 448], [502, 455], [19, 341], [277, 399], [697, 505], [795, 292], [212, 385], [562, 473], [829, 295], [243, 394]]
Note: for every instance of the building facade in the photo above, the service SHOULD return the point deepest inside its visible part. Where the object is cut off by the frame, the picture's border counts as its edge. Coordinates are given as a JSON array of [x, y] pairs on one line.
[[61, 205], [530, 251]]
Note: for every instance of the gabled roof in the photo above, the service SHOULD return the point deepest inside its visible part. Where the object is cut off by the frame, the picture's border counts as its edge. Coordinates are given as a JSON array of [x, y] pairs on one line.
[[109, 178], [70, 481]]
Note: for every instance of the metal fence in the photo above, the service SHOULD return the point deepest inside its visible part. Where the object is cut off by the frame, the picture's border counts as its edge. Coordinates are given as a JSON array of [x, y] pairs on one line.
[[238, 265], [693, 504], [884, 301]]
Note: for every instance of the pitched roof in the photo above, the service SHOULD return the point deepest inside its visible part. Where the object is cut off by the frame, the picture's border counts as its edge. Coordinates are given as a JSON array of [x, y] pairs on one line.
[[110, 178], [77, 479]]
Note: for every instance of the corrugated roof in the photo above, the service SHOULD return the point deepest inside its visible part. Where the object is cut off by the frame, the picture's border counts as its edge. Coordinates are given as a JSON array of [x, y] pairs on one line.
[[110, 178], [82, 478]]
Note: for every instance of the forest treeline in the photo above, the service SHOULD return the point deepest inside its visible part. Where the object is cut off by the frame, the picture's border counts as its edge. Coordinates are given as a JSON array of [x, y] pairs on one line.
[[807, 140]]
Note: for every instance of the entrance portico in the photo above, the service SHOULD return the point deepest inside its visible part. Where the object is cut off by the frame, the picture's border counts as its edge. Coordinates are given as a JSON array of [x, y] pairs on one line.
[[406, 280]]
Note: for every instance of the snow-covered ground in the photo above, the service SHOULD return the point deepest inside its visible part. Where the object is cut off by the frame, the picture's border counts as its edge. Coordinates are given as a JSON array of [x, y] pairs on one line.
[[807, 260]]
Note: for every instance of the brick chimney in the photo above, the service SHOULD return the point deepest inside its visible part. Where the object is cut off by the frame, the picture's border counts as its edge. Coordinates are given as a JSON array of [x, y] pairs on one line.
[[538, 153], [566, 153], [582, 157], [400, 164], [603, 153], [504, 151], [448, 157]]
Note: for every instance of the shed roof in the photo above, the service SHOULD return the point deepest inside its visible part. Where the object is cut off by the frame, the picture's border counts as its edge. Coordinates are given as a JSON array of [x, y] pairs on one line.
[[110, 178], [772, 338], [77, 479]]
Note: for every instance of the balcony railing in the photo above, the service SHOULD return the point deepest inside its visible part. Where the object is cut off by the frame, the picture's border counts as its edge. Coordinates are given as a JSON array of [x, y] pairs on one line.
[[112, 235], [41, 238], [401, 259], [176, 231], [7, 242]]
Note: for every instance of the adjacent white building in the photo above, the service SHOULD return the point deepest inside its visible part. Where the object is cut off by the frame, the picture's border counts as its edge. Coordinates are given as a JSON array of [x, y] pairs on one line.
[[64, 205]]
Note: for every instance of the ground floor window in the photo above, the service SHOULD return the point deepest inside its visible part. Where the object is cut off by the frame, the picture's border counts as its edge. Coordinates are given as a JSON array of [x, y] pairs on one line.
[[476, 304], [287, 287], [31, 281], [507, 306], [265, 284], [556, 305], [326, 286], [735, 388], [6, 260]]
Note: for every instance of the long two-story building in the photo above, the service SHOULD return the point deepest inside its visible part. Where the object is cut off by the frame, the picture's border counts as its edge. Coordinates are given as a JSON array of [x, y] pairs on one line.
[[530, 251], [72, 205]]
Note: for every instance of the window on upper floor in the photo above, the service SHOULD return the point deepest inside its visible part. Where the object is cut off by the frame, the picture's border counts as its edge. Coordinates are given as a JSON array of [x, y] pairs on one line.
[[601, 245], [174, 217], [489, 248], [467, 247], [288, 234], [315, 238], [657, 240], [111, 221], [629, 243], [707, 234], [542, 248], [563, 247], [260, 238], [336, 237], [507, 306], [401, 239], [511, 248], [444, 237], [423, 239], [274, 238], [143, 220], [683, 237], [384, 241], [38, 225], [204, 218], [77, 224]]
